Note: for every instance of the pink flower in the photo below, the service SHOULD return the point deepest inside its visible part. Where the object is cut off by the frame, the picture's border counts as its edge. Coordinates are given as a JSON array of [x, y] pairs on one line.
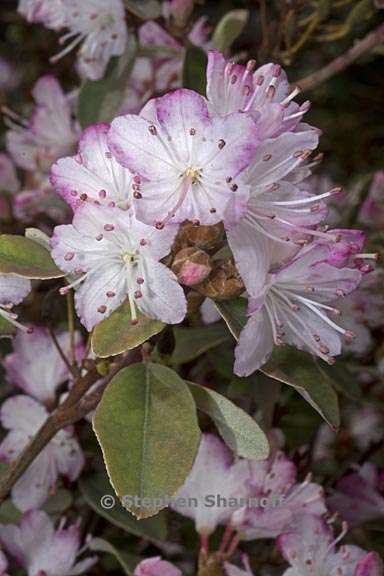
[[118, 257], [50, 133], [9, 181], [42, 550], [3, 564], [187, 159], [101, 29], [214, 473], [265, 93], [156, 567], [292, 306], [23, 416], [93, 175], [311, 551], [358, 497], [51, 13], [36, 366], [13, 290], [276, 478], [372, 211], [346, 250], [179, 10]]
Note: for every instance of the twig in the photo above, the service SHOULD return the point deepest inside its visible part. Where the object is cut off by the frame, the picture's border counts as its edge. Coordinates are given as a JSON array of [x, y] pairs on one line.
[[71, 328], [73, 409], [341, 62], [61, 352]]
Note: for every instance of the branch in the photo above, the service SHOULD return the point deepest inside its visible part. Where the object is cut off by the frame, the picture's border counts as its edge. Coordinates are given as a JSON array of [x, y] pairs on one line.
[[341, 62], [73, 409]]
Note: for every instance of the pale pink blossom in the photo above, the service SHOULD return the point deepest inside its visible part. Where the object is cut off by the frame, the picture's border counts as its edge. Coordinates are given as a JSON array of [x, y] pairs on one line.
[[93, 175], [156, 567], [51, 13], [23, 416], [13, 290], [188, 160], [29, 206], [264, 92], [35, 365], [3, 564], [41, 550], [118, 258], [293, 305], [372, 211], [359, 496], [276, 479], [50, 132], [311, 550], [101, 30], [214, 473]]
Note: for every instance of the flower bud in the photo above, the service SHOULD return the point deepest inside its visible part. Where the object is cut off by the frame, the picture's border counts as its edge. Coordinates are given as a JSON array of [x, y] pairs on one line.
[[204, 237], [191, 266], [223, 283]]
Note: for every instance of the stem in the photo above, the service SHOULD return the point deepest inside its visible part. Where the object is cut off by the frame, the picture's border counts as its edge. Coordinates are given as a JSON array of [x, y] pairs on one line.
[[73, 409], [341, 62], [71, 328], [61, 353]]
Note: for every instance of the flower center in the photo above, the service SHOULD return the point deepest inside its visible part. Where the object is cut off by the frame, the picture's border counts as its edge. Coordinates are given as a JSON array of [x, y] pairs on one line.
[[193, 173], [129, 258]]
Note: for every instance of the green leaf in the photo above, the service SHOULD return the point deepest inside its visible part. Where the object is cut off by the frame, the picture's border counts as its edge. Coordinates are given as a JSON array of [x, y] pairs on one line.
[[344, 381], [194, 69], [59, 502], [239, 430], [27, 258], [99, 100], [192, 342], [301, 371], [116, 334], [233, 313], [6, 328], [144, 9], [229, 28], [94, 487], [290, 366], [128, 562], [9, 514], [146, 424], [38, 236]]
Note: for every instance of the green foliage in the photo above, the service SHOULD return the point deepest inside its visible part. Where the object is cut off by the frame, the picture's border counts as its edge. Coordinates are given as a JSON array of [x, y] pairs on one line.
[[229, 28], [192, 342], [147, 427], [194, 69], [239, 430], [117, 334], [27, 258], [144, 9]]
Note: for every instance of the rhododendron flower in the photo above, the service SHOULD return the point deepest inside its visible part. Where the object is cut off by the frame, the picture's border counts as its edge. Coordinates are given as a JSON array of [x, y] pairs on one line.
[[264, 92], [276, 478], [100, 27], [23, 416], [3, 564], [118, 257], [42, 550], [51, 13], [358, 497], [35, 364], [311, 551], [292, 307], [188, 160], [93, 175], [50, 133], [13, 290], [156, 567], [214, 473], [372, 211], [9, 181]]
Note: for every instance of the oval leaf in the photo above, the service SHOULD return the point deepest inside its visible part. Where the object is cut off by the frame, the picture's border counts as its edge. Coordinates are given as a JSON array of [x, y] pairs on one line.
[[99, 100], [94, 487], [233, 313], [146, 424], [27, 258], [229, 28], [144, 9], [301, 371], [127, 562], [194, 69], [116, 334], [6, 328], [237, 428]]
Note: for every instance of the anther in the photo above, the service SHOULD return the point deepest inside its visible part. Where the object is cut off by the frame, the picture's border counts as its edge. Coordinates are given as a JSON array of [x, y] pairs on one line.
[[109, 227], [102, 194], [221, 144], [102, 309], [69, 256], [153, 130]]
